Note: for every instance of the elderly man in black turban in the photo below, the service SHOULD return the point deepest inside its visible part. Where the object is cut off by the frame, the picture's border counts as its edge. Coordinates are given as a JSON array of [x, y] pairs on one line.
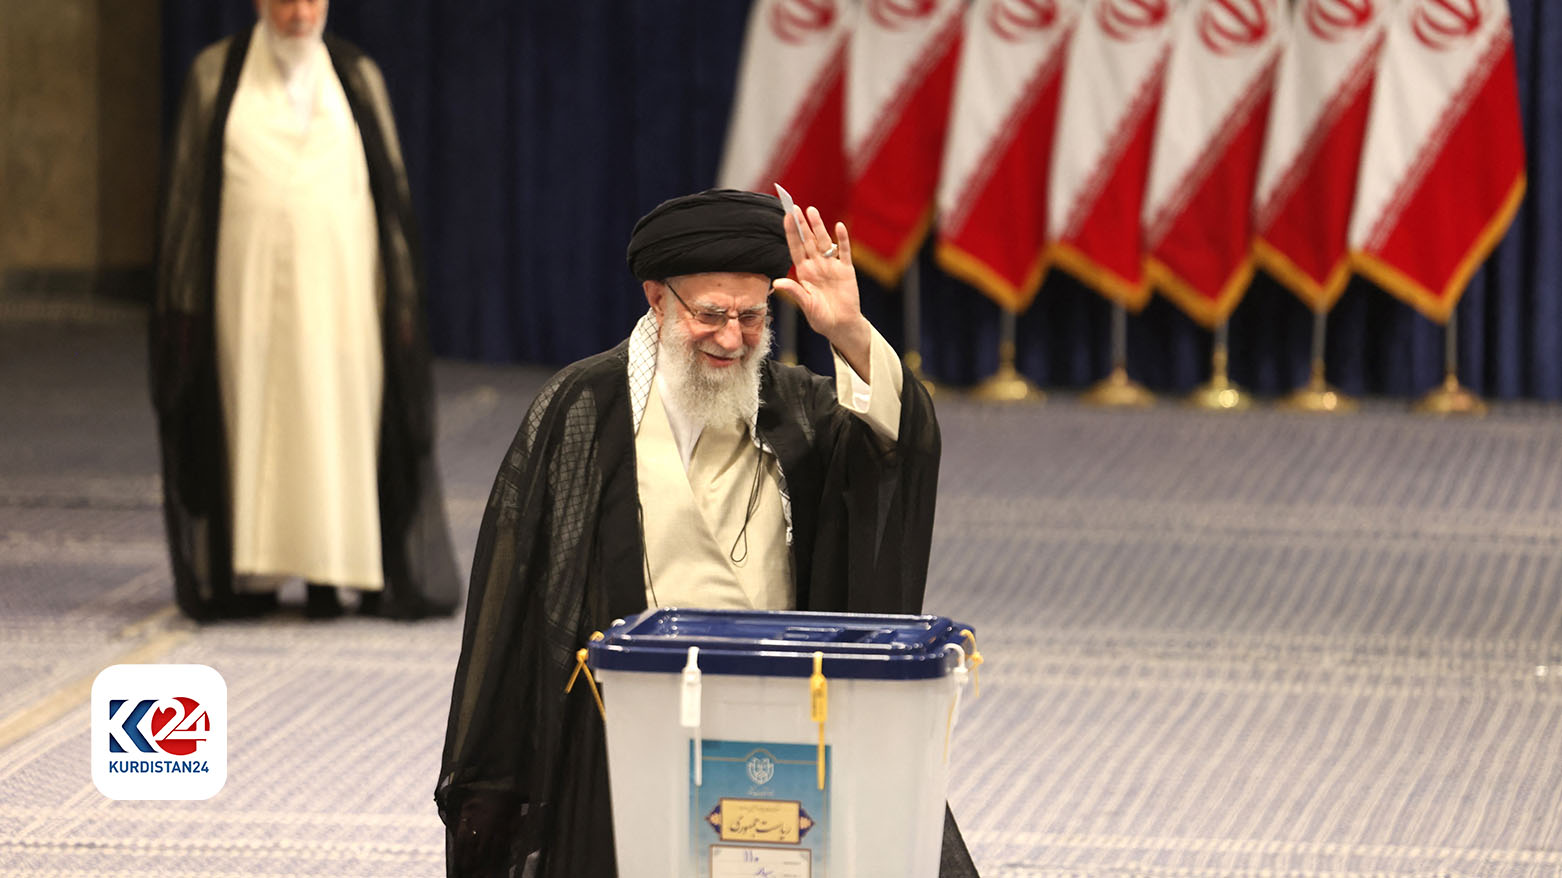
[[680, 468]]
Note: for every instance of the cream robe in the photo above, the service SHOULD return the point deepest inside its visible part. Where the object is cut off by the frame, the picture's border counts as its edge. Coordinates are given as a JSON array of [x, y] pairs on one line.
[[695, 486], [298, 331]]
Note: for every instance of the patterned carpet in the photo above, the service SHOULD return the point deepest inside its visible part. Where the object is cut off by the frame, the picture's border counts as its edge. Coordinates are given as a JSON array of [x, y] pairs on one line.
[[1251, 645]]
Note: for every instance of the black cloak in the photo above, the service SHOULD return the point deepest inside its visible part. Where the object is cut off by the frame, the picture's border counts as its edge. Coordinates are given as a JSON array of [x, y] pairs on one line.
[[417, 557], [524, 784]]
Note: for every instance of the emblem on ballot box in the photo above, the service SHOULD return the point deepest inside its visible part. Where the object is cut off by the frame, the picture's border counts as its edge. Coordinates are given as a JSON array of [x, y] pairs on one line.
[[761, 768]]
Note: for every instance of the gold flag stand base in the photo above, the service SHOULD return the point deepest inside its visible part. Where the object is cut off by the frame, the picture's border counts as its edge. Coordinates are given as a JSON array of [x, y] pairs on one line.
[[1007, 384], [1317, 396], [1451, 399], [1220, 395], [914, 363], [1117, 390]]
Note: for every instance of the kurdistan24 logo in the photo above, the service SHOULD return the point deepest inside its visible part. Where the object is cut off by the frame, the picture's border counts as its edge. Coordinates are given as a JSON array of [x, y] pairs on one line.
[[171, 726], [159, 732]]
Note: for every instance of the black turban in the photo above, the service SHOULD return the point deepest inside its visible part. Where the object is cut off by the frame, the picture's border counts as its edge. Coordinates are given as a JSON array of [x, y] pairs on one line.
[[715, 230]]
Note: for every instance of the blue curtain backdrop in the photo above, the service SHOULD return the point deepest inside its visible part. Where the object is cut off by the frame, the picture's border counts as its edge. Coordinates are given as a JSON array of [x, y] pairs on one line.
[[537, 132]]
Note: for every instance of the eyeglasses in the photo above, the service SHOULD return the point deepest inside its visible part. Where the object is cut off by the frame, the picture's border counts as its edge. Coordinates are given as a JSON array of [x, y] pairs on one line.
[[716, 318]]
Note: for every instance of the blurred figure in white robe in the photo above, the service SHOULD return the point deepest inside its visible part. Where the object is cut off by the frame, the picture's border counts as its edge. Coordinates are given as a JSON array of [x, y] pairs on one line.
[[290, 321]]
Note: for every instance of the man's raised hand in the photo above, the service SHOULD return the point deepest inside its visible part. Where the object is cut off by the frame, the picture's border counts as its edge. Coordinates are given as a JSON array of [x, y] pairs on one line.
[[826, 287]]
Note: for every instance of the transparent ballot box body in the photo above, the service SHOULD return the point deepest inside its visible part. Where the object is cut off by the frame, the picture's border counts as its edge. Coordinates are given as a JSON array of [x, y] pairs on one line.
[[714, 741]]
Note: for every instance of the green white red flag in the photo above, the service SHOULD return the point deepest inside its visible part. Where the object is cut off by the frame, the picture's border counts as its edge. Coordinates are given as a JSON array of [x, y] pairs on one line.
[[900, 76], [1442, 172], [992, 192], [1100, 164], [1209, 138]]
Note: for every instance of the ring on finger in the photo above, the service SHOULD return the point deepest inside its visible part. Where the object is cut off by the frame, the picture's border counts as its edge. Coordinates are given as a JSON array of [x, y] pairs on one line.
[[830, 253]]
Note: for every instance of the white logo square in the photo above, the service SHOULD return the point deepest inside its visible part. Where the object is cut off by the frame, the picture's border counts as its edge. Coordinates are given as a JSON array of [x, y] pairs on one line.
[[159, 732]]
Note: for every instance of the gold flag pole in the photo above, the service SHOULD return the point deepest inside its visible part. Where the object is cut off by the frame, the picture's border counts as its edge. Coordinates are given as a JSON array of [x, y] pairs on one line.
[[1316, 395], [1007, 384], [1117, 390], [788, 320], [1220, 395], [911, 293], [1451, 398]]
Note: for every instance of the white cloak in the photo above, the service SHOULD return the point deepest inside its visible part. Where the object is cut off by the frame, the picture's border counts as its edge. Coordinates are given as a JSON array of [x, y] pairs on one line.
[[298, 331]]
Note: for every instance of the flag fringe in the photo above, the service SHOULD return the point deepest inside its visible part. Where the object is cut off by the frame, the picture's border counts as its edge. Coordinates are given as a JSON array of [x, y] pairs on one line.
[[1437, 306], [887, 270], [1209, 312], [1105, 281], [971, 269], [1319, 297]]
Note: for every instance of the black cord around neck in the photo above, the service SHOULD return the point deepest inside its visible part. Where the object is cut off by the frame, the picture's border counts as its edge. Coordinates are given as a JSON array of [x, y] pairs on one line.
[[753, 506], [742, 537], [645, 555]]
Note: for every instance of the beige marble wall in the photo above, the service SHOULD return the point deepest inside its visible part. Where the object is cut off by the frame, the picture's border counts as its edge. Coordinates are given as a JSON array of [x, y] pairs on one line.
[[51, 160], [79, 134]]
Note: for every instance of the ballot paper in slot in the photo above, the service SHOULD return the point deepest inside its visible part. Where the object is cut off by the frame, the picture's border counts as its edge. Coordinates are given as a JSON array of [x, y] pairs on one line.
[[801, 744]]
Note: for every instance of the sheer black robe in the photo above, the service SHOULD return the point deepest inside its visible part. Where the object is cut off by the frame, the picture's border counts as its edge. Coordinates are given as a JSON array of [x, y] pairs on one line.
[[524, 781], [417, 557]]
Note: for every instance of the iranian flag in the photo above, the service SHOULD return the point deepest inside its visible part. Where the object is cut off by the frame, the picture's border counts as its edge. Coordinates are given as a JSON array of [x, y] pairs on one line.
[[1198, 213], [1307, 180], [788, 117], [992, 192], [1442, 171], [900, 75], [1106, 119]]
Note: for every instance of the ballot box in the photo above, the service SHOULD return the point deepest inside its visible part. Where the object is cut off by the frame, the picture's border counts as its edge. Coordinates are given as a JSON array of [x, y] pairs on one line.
[[783, 744]]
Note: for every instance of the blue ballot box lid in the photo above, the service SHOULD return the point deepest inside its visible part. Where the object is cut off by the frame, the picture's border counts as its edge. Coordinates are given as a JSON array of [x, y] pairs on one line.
[[781, 644]]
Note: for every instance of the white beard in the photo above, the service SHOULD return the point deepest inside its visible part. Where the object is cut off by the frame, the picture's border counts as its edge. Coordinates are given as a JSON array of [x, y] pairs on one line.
[[293, 51], [710, 396]]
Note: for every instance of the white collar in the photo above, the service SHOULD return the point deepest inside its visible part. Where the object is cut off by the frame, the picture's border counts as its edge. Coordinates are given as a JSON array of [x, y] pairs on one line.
[[642, 365]]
